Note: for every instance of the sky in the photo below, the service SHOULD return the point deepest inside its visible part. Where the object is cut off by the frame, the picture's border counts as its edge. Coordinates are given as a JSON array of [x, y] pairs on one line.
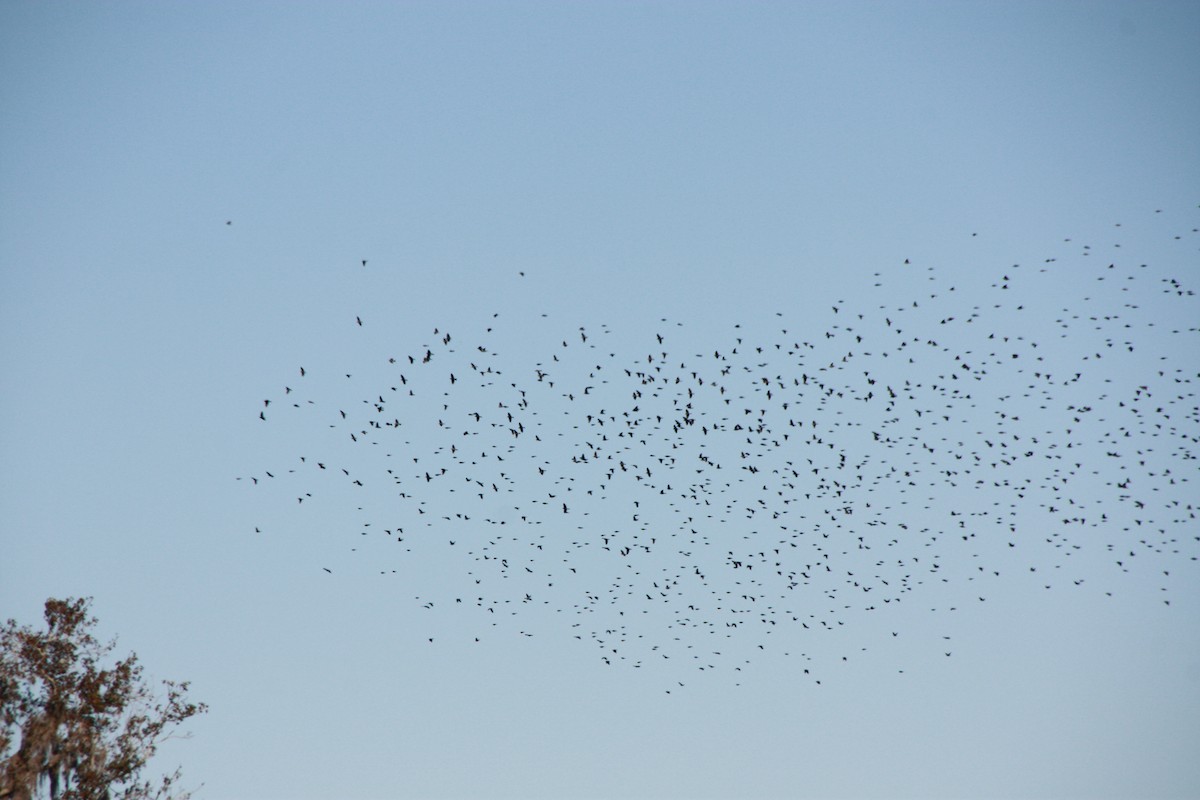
[[197, 200]]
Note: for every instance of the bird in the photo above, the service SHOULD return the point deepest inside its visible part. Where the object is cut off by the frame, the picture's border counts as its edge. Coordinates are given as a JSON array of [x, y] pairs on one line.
[[746, 476]]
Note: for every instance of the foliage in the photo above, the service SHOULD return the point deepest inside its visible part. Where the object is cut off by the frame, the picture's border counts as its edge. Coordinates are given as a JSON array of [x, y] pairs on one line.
[[69, 724]]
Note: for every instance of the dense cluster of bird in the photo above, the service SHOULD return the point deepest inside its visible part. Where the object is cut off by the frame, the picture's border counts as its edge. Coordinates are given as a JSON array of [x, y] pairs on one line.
[[687, 503]]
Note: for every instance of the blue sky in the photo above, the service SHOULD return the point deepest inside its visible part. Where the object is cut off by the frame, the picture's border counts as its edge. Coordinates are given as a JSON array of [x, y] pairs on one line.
[[705, 164]]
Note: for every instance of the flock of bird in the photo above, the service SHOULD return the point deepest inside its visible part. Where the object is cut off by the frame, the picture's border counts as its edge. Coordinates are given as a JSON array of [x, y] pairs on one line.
[[706, 499]]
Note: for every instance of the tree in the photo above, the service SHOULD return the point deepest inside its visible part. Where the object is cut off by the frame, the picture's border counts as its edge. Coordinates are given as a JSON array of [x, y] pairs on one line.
[[70, 725]]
